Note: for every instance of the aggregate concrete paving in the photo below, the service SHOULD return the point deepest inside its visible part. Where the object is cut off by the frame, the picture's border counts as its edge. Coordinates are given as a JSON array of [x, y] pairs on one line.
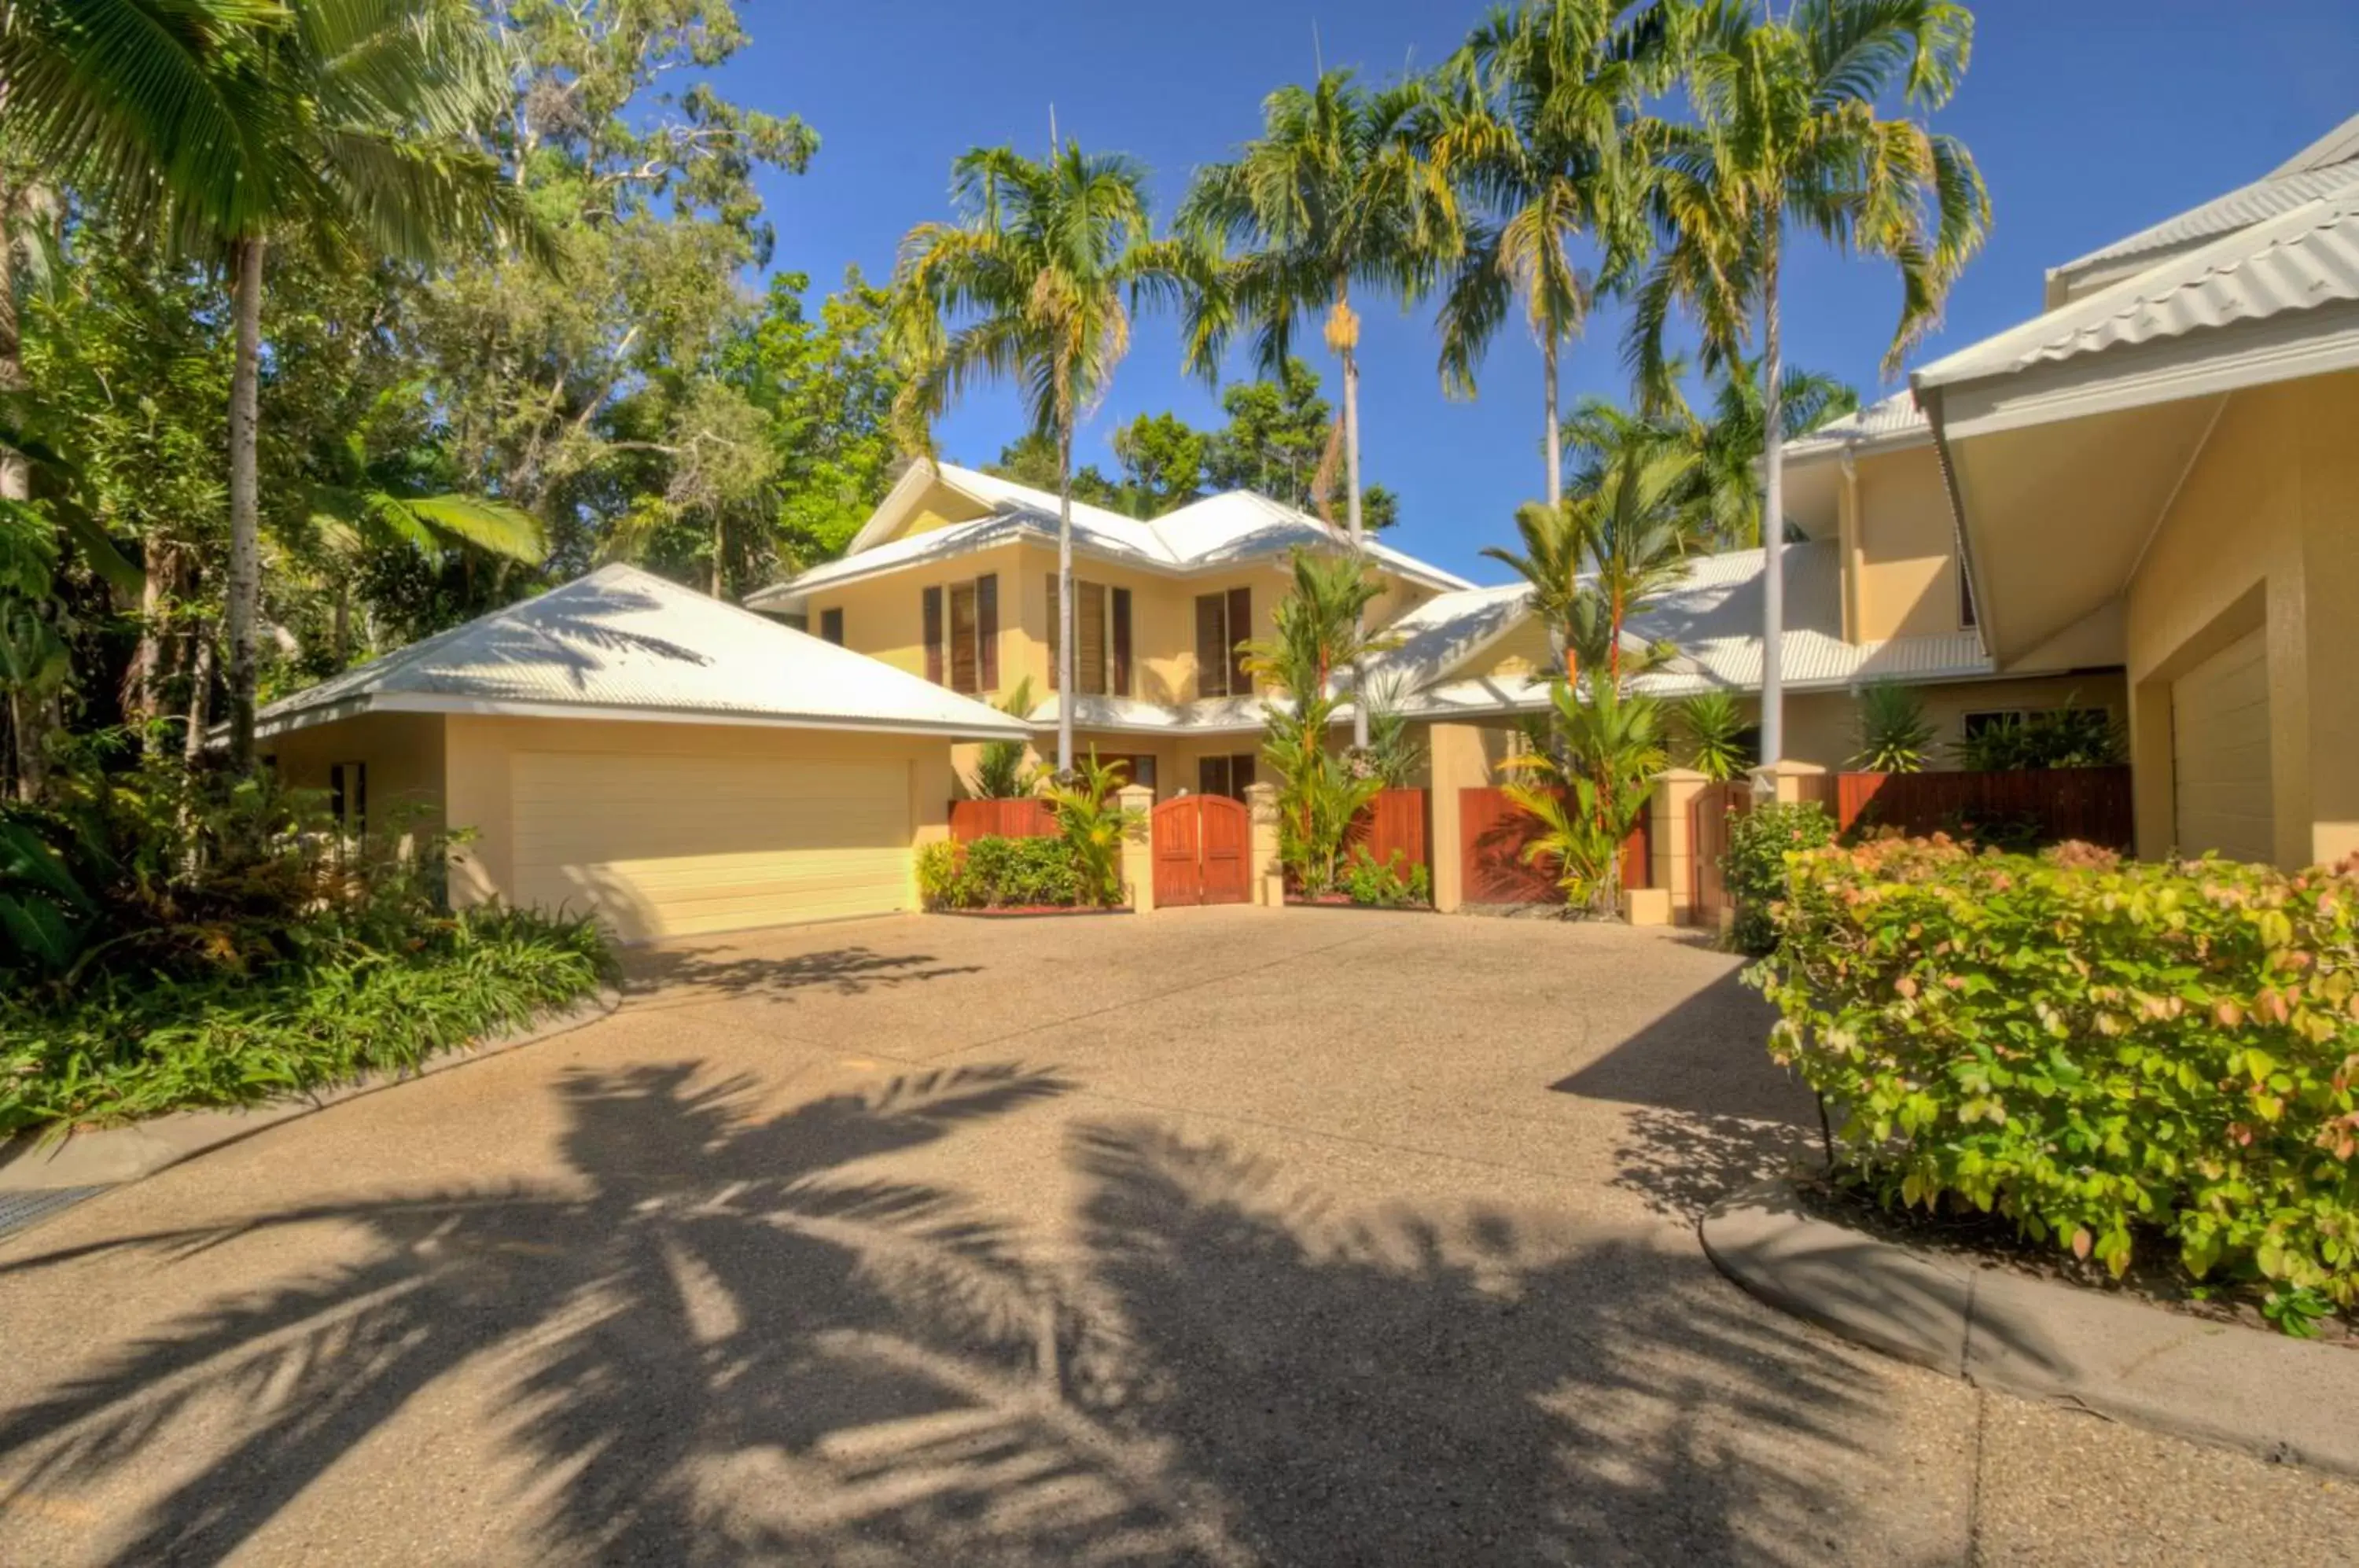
[[1223, 1235]]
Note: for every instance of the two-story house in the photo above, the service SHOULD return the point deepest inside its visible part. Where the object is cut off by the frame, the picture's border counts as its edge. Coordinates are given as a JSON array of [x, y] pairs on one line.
[[954, 579]]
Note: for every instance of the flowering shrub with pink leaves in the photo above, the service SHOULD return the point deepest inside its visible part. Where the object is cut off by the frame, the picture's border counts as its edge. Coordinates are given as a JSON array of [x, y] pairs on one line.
[[2094, 1048]]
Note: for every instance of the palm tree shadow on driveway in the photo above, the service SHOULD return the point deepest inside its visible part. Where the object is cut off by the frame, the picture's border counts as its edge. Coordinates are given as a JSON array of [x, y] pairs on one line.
[[732, 1340]]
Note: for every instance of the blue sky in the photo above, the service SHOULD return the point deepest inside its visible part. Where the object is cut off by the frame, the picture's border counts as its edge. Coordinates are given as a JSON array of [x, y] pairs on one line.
[[2091, 119]]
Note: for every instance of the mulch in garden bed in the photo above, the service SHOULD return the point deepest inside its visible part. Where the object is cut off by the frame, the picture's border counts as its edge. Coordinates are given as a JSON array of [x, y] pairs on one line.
[[1991, 1240], [1035, 912], [1340, 901]]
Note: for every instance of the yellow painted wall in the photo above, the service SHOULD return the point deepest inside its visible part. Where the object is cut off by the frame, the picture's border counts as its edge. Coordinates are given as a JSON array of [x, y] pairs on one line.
[[2263, 534], [480, 772], [940, 507], [403, 753], [883, 617], [1907, 582], [1822, 727]]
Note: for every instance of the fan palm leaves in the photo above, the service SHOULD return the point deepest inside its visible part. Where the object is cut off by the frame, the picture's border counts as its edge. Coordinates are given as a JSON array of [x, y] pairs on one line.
[[1539, 126], [1790, 131], [1337, 194], [1034, 282]]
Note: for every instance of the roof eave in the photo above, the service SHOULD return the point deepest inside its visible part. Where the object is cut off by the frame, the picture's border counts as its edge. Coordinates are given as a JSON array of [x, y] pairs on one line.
[[484, 707]]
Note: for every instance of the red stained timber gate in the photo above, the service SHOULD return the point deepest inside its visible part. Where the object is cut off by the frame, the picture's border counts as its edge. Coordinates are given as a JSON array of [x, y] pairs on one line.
[[1200, 854]]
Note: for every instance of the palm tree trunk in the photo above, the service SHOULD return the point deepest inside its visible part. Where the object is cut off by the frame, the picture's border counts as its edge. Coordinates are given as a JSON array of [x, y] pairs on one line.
[[148, 661], [243, 610], [1065, 596], [1555, 435], [1348, 350], [201, 694], [1773, 505]]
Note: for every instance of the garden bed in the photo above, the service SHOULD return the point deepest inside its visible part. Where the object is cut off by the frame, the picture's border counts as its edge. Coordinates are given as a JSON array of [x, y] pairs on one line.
[[1033, 911], [1992, 1241], [1344, 901]]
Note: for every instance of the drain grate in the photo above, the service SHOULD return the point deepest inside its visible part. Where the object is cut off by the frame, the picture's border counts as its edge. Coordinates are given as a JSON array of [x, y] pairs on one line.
[[19, 1210]]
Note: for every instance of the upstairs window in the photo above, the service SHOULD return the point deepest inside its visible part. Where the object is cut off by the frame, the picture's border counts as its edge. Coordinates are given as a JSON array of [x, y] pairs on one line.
[[831, 626], [1223, 623], [962, 631], [1102, 647]]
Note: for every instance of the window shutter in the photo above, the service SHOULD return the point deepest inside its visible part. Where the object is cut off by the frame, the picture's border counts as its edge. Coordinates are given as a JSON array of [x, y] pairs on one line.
[[1212, 654], [831, 626], [1090, 637], [963, 659], [1056, 636], [986, 628], [1122, 642], [1240, 629], [932, 600]]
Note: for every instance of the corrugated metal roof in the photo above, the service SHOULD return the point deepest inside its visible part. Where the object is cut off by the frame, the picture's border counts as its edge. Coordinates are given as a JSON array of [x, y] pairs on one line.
[[1715, 615], [1209, 535], [2298, 261], [2328, 167], [625, 643], [1886, 419], [1443, 631]]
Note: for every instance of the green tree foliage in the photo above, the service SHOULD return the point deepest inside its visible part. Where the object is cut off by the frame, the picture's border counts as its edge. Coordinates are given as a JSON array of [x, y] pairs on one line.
[[1588, 774], [1713, 727], [828, 387]]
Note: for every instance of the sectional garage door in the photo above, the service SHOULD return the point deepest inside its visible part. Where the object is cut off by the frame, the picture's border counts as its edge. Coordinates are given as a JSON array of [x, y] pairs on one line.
[[2220, 755], [678, 844]]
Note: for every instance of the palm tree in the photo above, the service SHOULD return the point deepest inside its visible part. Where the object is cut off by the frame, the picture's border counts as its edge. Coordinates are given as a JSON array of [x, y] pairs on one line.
[[1029, 284], [1559, 542], [1335, 194], [1789, 130], [1537, 130], [351, 124], [1725, 503], [1592, 785]]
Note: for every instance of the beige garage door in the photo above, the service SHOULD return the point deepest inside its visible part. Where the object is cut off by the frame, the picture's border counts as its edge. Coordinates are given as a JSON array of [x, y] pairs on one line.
[[673, 845], [2220, 755]]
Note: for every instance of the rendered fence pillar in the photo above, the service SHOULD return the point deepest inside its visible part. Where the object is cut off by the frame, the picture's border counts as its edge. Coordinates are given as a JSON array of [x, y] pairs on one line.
[[1456, 761], [1268, 875], [1792, 783], [1673, 807], [1138, 847]]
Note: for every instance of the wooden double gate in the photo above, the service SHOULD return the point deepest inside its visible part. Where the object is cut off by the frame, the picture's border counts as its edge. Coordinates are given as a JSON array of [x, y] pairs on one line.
[[1203, 852]]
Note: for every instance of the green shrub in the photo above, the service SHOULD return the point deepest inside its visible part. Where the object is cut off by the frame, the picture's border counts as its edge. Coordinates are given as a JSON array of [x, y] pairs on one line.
[[1386, 886], [1754, 868], [2063, 737], [2092, 1049], [121, 1046], [993, 873], [1895, 735]]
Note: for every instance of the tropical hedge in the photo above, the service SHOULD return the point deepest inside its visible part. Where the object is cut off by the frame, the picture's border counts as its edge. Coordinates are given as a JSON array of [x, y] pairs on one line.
[[2114, 1056], [994, 872]]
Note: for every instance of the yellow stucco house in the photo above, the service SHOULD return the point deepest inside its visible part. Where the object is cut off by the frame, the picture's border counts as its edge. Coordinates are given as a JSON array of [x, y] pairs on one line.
[[2162, 469]]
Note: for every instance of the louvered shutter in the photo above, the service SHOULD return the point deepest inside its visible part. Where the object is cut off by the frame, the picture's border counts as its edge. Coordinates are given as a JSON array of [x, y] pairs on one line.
[[1122, 642], [1240, 629], [986, 628], [932, 601]]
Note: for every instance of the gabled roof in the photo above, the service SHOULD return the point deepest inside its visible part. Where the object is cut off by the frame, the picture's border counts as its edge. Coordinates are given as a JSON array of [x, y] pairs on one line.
[[2327, 168], [1888, 422], [626, 644], [2299, 260], [1210, 535]]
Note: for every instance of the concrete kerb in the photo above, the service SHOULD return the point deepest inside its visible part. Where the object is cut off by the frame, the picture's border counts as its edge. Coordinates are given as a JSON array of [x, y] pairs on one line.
[[107, 1156], [2281, 1399]]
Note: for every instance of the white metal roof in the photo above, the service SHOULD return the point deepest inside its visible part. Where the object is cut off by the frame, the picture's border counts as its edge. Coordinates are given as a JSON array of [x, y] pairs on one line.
[[1444, 632], [2328, 167], [1889, 421], [2299, 260], [622, 643], [1212, 534], [1714, 613]]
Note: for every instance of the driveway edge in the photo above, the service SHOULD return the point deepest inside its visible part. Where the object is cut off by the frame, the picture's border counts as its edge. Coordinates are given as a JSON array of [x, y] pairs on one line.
[[2284, 1400], [107, 1156]]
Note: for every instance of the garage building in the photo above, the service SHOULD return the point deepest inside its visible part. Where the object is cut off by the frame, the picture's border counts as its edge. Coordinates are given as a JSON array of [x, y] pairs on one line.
[[628, 747]]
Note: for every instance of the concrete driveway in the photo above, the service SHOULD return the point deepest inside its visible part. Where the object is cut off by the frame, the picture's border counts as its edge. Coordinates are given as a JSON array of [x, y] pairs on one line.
[[1220, 1236]]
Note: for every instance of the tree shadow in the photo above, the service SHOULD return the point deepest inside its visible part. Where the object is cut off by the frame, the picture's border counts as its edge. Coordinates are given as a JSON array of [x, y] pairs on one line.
[[1712, 1114], [1421, 1387], [697, 974], [728, 1337], [679, 1311]]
